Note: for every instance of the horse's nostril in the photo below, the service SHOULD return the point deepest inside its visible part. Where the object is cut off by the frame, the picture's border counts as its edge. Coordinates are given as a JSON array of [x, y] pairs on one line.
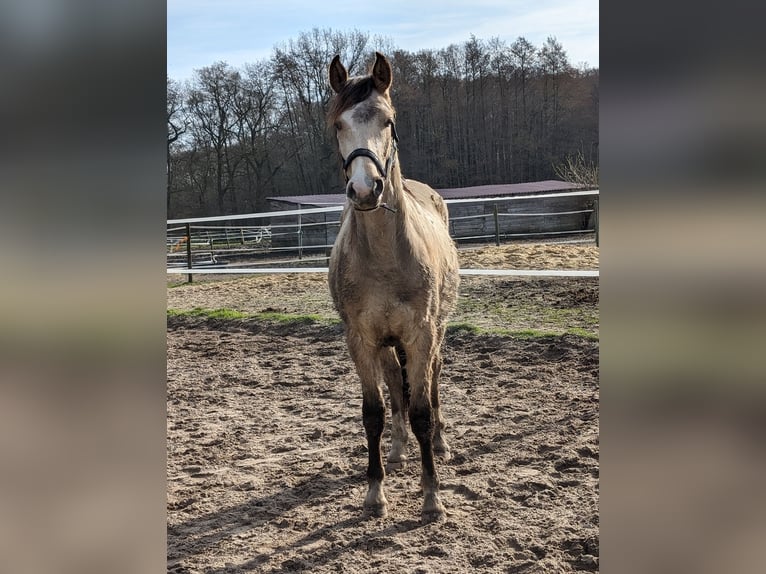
[[377, 186], [350, 191]]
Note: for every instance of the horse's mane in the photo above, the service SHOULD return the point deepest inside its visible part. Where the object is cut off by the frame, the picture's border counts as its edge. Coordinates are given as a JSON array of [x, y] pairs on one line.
[[355, 90]]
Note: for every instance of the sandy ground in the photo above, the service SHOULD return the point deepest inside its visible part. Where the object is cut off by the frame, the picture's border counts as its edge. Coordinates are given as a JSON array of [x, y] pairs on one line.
[[267, 454]]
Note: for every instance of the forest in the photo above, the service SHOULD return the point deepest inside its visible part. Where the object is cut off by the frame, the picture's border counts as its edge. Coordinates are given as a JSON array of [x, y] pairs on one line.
[[482, 112]]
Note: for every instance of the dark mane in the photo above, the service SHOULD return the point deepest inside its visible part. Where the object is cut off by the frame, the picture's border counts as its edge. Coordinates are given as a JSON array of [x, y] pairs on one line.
[[354, 91]]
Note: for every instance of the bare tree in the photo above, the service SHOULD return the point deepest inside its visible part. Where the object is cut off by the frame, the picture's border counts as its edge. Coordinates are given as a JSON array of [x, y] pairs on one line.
[[468, 114], [211, 102], [554, 67], [577, 169], [523, 57], [257, 119], [177, 124]]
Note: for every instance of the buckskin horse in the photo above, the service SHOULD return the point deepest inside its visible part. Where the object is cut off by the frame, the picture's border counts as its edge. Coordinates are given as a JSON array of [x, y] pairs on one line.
[[393, 277]]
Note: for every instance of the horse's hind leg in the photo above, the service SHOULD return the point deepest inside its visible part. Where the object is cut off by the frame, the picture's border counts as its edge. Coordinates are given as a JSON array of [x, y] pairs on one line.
[[441, 448], [395, 375], [420, 373]]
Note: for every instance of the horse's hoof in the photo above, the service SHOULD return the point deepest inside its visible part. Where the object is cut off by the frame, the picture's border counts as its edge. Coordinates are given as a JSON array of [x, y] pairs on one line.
[[394, 465], [376, 510], [433, 510], [442, 452], [375, 502], [441, 449], [443, 455], [434, 515]]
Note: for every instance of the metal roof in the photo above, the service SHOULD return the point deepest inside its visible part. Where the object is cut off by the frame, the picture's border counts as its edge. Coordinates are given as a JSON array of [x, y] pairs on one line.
[[323, 200], [497, 190]]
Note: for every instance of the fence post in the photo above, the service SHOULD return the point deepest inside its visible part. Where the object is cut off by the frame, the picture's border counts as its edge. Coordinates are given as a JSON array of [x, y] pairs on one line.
[[188, 251], [497, 226], [326, 234], [300, 236], [595, 218]]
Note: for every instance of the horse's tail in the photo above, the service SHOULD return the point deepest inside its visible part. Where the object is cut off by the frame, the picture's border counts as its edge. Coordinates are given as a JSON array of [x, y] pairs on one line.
[[405, 383]]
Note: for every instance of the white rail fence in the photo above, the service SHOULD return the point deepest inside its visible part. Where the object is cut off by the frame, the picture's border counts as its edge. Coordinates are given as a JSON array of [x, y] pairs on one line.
[[291, 240]]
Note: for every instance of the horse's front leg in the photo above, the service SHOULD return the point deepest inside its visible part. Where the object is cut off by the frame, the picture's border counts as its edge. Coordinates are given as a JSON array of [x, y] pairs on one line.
[[367, 362]]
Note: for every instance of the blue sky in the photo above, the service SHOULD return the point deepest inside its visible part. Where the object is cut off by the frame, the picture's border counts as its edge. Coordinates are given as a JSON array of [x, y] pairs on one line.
[[201, 32]]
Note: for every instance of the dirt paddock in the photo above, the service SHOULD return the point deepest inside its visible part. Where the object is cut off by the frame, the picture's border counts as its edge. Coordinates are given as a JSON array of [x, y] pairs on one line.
[[267, 453]]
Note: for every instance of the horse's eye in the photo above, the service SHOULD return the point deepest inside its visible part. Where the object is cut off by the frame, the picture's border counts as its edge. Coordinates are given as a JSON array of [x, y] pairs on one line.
[[337, 126]]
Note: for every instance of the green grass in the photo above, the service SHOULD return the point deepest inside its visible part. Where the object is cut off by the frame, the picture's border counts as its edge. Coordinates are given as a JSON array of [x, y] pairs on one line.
[[230, 314], [208, 313], [582, 333], [464, 327], [567, 316], [295, 318], [528, 319]]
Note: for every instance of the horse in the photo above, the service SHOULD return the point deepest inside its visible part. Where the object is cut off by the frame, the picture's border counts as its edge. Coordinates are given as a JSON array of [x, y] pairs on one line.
[[393, 277]]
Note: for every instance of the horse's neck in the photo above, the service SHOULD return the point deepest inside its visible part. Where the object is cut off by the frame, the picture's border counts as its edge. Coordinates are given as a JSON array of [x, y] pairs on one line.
[[395, 189], [381, 232]]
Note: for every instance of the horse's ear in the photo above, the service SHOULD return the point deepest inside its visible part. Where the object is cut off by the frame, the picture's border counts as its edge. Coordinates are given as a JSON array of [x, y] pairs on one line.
[[381, 73], [338, 74]]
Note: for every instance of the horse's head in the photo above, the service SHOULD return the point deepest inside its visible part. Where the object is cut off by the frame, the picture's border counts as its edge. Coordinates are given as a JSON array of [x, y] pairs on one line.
[[363, 118]]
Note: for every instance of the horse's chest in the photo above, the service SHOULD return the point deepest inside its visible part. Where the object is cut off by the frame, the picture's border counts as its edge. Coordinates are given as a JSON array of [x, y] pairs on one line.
[[382, 312], [381, 319]]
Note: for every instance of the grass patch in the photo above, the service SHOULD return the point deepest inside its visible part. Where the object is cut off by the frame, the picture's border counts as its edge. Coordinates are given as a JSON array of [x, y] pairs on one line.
[[208, 313], [231, 314], [295, 318], [464, 327], [576, 331], [525, 319], [567, 316], [536, 334]]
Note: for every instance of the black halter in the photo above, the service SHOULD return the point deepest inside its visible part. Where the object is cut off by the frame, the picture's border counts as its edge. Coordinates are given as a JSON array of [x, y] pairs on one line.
[[364, 152]]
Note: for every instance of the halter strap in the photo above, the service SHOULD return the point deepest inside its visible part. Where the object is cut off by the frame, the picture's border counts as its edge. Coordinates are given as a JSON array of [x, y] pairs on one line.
[[364, 152], [383, 205]]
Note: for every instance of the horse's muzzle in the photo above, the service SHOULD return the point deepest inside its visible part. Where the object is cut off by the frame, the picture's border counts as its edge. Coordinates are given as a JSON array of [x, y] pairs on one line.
[[364, 197]]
